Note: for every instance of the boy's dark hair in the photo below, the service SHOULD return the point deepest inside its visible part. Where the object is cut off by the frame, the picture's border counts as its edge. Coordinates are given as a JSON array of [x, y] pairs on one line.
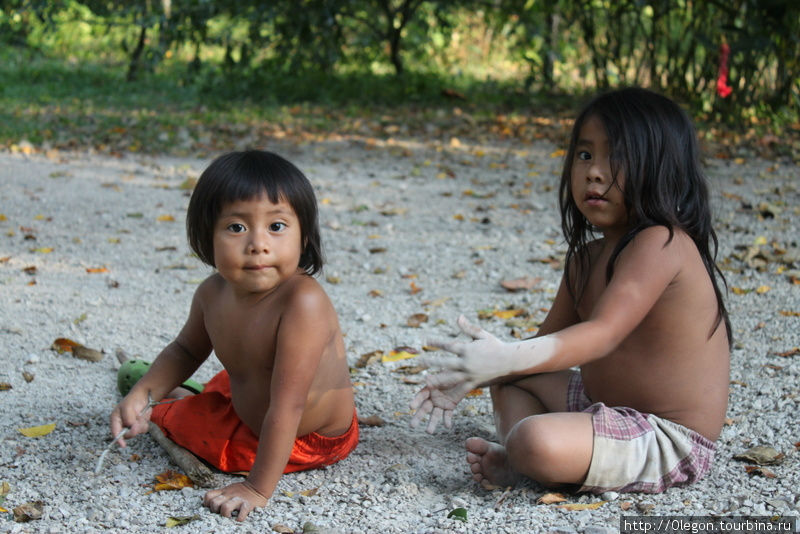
[[245, 175], [653, 145]]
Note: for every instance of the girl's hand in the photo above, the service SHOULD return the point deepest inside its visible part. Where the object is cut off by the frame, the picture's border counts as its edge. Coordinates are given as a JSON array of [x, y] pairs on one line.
[[438, 404], [480, 360], [241, 498], [133, 413]]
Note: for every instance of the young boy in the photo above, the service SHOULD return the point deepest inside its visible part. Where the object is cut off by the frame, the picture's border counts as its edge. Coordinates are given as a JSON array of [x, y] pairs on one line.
[[284, 401]]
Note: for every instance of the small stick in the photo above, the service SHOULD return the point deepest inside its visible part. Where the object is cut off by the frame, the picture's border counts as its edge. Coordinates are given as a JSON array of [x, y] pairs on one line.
[[196, 470], [102, 458]]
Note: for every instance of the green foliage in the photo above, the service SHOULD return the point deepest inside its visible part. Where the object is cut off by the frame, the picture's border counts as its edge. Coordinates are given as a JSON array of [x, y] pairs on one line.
[[387, 52]]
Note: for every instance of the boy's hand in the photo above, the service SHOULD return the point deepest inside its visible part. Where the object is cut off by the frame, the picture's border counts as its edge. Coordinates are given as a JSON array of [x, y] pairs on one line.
[[439, 404], [132, 413], [241, 498]]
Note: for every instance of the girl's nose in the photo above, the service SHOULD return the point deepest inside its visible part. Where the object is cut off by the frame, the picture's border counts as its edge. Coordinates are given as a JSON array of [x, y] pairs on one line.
[[595, 173]]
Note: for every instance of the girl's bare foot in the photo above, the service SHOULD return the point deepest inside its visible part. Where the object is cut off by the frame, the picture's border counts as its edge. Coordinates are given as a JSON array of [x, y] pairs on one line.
[[489, 463]]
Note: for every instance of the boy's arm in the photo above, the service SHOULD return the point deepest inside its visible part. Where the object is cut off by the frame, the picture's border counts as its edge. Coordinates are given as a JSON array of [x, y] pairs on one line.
[[643, 271], [174, 364], [301, 341]]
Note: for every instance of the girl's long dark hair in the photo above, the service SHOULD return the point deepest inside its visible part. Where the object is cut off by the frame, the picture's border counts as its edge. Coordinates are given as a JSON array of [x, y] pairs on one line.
[[654, 146]]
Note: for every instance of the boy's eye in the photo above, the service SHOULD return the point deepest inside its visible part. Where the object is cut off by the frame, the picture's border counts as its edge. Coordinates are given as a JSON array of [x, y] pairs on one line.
[[277, 226], [583, 155], [236, 228]]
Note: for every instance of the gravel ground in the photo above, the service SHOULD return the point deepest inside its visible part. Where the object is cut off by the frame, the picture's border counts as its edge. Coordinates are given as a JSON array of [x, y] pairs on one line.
[[408, 229]]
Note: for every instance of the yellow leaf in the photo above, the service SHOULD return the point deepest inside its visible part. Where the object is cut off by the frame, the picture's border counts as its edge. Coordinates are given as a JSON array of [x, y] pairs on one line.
[[760, 240], [172, 480], [762, 289], [3, 217], [507, 314], [165, 218], [576, 507], [789, 313], [398, 354], [43, 250], [37, 431], [740, 291], [558, 153]]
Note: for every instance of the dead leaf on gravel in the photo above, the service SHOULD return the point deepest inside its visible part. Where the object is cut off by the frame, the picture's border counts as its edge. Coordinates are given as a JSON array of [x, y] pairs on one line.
[[411, 369], [369, 358], [178, 521], [172, 480], [793, 352], [761, 455], [521, 284], [5, 386], [30, 511], [371, 420], [62, 345], [37, 431], [282, 529], [551, 498], [399, 353], [27, 376], [416, 320], [754, 470], [577, 507]]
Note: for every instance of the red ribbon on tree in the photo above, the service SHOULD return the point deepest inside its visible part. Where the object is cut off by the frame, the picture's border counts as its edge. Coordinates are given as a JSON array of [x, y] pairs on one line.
[[723, 89]]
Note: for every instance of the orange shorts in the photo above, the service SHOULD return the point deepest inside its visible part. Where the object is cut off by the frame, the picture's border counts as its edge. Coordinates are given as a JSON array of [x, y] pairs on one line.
[[207, 425]]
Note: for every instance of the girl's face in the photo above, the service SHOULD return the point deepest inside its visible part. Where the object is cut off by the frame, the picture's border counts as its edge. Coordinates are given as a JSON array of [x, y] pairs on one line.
[[596, 193], [257, 244]]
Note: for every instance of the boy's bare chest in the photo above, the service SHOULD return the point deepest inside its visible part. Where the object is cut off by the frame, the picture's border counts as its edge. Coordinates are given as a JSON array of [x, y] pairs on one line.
[[242, 339]]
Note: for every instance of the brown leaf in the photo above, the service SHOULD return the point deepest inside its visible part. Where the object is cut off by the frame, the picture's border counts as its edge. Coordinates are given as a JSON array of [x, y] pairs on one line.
[[62, 345], [577, 507], [369, 358], [760, 455], [27, 376], [95, 270], [414, 288], [29, 511], [5, 386], [520, 284], [551, 498], [788, 353], [85, 353], [371, 420], [282, 529], [754, 470], [416, 320]]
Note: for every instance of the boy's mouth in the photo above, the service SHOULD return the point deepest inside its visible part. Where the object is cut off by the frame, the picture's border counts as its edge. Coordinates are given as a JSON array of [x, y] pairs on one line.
[[593, 198]]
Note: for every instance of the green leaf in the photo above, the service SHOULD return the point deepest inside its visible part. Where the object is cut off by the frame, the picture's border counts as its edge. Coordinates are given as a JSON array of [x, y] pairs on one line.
[[458, 513], [180, 520]]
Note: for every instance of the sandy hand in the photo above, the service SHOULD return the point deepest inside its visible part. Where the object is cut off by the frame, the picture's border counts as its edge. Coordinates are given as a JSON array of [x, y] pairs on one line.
[[438, 404], [236, 500]]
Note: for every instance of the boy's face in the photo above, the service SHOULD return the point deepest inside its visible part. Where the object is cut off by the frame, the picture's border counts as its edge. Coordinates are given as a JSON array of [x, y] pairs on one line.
[[257, 244], [595, 192]]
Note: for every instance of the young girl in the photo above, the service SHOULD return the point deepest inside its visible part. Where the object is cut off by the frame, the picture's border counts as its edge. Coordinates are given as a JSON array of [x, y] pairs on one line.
[[284, 401], [639, 311]]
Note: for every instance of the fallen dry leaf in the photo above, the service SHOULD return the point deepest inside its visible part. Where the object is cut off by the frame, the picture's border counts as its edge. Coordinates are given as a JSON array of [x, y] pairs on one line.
[[520, 284], [62, 345], [282, 529], [551, 498], [760, 455], [577, 507], [371, 420], [85, 353], [400, 353], [754, 470], [176, 521], [416, 320], [788, 353], [5, 386], [369, 358], [30, 511], [37, 431], [95, 270], [172, 480], [414, 288]]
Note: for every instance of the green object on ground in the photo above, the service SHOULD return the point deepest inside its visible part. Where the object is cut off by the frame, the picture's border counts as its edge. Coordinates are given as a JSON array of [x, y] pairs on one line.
[[132, 370]]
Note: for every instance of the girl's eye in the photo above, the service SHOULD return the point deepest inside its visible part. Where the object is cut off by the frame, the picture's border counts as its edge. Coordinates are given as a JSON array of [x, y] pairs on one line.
[[236, 228], [277, 226], [584, 156]]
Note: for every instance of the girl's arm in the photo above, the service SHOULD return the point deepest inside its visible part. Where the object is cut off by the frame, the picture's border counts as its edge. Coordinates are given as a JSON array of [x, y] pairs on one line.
[[643, 271], [302, 339], [174, 364]]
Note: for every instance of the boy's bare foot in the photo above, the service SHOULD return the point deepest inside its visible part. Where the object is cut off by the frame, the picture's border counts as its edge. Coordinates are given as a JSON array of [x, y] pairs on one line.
[[489, 463]]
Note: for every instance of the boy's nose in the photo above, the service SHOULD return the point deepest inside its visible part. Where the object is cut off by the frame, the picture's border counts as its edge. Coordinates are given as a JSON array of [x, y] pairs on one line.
[[595, 174], [258, 244]]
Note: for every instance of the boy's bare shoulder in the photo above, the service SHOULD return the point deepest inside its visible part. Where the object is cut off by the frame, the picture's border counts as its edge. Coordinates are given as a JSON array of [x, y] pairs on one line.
[[304, 291], [210, 287]]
